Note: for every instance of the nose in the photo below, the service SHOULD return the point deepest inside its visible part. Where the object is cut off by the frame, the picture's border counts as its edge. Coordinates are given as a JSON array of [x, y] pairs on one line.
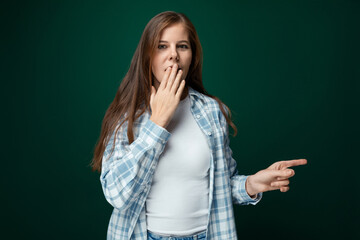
[[174, 55]]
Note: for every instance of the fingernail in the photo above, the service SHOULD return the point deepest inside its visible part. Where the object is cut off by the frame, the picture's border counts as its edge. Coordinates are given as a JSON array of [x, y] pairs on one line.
[[289, 172]]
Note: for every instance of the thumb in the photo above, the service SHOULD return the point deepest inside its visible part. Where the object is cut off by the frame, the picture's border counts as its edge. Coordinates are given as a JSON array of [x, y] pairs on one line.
[[153, 92]]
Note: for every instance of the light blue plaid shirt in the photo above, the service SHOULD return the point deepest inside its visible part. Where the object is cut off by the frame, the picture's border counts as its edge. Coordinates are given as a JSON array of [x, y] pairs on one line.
[[126, 177]]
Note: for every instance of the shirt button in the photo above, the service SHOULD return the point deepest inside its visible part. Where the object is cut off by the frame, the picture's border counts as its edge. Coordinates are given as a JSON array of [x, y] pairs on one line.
[[163, 141], [198, 116], [209, 133]]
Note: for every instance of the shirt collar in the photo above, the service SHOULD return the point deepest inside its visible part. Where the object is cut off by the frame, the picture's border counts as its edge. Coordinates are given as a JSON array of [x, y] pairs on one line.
[[194, 93]]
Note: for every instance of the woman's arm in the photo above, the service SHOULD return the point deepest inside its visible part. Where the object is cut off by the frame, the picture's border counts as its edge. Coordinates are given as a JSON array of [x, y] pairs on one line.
[[238, 182], [275, 177], [128, 172], [127, 175]]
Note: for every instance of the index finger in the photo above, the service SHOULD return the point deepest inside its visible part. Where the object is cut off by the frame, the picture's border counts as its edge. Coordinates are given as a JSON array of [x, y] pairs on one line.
[[292, 163], [165, 78]]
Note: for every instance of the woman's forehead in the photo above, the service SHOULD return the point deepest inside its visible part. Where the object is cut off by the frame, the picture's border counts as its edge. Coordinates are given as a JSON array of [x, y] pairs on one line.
[[174, 31]]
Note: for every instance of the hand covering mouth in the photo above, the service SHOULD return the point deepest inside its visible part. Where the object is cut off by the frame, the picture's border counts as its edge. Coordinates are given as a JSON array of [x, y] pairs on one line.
[[177, 69]]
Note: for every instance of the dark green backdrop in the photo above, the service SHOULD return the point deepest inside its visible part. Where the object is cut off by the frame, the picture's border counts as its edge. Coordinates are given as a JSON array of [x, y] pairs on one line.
[[289, 70]]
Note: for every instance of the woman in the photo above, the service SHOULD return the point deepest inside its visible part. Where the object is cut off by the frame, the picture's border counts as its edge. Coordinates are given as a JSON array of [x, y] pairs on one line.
[[163, 153]]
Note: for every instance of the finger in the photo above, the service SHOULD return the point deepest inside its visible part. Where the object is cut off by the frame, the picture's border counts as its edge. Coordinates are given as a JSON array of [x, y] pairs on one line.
[[175, 85], [280, 184], [165, 78], [292, 163], [272, 188], [172, 76], [180, 89], [284, 174], [284, 189]]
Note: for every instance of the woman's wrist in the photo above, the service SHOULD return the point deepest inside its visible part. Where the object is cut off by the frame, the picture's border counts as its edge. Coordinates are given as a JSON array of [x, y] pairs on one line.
[[156, 122], [248, 187]]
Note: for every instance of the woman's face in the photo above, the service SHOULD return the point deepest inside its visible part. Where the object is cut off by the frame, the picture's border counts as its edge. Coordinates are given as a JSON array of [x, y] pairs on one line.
[[173, 47]]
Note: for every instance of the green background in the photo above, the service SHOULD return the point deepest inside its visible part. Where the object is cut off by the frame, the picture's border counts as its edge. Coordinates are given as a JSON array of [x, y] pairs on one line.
[[289, 71]]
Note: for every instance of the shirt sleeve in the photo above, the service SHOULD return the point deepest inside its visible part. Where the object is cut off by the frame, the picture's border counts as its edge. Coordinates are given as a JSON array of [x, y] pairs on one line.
[[238, 190], [127, 172]]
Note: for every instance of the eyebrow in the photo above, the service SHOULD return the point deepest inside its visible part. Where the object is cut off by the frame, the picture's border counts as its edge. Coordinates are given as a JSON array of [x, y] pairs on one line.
[[177, 42]]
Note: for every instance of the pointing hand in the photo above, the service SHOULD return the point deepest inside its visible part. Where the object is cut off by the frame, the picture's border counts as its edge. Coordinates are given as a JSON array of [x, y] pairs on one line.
[[276, 176]]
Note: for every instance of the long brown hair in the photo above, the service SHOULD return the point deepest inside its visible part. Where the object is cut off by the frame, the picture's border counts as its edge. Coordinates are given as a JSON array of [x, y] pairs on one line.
[[133, 94]]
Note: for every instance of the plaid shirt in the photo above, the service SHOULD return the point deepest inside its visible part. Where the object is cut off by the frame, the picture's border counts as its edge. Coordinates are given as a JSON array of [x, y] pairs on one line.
[[127, 175]]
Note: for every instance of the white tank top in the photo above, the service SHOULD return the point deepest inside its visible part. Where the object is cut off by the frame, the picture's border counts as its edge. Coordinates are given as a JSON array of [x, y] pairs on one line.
[[178, 200]]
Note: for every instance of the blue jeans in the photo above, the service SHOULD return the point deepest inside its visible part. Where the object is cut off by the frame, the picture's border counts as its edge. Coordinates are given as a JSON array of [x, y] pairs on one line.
[[199, 236]]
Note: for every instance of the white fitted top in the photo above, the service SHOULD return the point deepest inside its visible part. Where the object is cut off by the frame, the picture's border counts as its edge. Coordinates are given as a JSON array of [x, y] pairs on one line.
[[178, 200]]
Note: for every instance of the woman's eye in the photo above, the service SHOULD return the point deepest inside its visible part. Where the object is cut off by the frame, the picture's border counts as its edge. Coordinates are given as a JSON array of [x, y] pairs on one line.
[[164, 46]]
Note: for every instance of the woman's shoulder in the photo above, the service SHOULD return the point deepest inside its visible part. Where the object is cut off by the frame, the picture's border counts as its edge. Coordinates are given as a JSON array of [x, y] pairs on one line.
[[209, 101], [210, 104], [141, 116]]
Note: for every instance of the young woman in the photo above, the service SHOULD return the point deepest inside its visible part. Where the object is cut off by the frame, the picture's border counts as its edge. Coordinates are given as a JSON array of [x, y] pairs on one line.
[[163, 153]]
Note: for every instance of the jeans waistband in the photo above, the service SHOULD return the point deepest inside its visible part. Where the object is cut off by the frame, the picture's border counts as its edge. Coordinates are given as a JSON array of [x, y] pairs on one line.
[[200, 235]]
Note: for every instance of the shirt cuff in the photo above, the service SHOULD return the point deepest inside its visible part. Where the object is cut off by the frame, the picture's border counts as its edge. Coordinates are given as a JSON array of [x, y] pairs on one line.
[[153, 134], [246, 196]]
